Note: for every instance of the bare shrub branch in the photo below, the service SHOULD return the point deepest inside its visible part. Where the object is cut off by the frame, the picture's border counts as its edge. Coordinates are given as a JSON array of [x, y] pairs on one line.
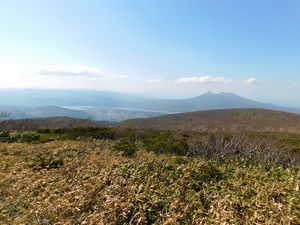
[[262, 151]]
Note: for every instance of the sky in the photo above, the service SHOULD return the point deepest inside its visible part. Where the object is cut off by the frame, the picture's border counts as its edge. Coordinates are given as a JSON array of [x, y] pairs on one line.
[[162, 48]]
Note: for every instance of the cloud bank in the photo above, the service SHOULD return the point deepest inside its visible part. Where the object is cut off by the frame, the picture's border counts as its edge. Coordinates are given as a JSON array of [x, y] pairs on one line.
[[214, 80], [203, 80], [86, 77], [71, 71]]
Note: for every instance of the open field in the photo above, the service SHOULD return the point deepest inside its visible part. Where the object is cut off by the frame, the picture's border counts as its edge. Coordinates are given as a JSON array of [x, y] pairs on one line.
[[122, 177]]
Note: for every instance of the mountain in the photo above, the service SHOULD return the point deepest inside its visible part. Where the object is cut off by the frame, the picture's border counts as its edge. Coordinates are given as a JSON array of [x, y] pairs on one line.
[[221, 120], [207, 101], [115, 106]]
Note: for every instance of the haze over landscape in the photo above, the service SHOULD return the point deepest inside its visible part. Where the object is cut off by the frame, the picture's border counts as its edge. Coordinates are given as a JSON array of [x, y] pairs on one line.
[[115, 106], [150, 112], [160, 49]]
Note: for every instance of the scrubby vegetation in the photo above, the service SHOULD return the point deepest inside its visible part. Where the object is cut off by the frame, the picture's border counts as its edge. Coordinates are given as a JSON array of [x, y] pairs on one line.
[[234, 120], [126, 146], [258, 147], [122, 176], [43, 123]]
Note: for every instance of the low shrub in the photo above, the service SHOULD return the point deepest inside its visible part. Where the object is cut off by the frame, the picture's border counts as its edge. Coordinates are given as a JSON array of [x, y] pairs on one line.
[[46, 161], [127, 147], [95, 186], [5, 136], [102, 133], [29, 137], [165, 142], [23, 137]]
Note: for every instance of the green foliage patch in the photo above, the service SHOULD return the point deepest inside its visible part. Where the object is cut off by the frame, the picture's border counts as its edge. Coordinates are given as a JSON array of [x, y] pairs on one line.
[[261, 147], [165, 142], [43, 161], [127, 147]]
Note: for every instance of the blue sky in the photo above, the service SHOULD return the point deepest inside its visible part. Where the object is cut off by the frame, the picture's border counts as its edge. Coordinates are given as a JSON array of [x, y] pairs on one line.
[[164, 48]]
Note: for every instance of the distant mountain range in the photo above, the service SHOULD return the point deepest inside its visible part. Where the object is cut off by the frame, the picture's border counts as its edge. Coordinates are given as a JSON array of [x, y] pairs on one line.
[[114, 106], [209, 100]]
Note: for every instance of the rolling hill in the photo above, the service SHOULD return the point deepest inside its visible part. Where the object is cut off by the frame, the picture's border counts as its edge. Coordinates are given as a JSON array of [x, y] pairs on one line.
[[92, 113], [47, 123], [18, 112], [222, 120]]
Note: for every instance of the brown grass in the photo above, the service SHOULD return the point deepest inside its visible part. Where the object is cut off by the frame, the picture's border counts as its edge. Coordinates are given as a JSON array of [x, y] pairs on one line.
[[96, 185], [222, 120]]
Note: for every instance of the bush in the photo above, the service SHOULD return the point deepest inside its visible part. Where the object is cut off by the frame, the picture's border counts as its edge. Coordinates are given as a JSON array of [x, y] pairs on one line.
[[165, 142], [45, 161], [5, 136], [127, 147], [101, 133], [261, 150], [23, 137], [29, 137]]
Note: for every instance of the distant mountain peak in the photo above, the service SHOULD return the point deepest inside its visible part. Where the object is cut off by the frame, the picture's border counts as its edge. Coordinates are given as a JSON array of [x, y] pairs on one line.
[[208, 93], [228, 93]]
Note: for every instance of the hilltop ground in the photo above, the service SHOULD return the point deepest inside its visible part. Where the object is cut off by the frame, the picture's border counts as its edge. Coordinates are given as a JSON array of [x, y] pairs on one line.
[[112, 176], [222, 120]]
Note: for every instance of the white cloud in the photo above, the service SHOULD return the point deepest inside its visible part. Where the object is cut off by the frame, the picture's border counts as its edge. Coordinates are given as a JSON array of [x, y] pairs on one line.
[[216, 80], [15, 75], [71, 71], [116, 75], [156, 80], [251, 81], [203, 80]]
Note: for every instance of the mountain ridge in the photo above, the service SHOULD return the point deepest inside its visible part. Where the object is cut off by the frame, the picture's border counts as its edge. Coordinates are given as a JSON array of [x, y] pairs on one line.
[[116, 106], [221, 120]]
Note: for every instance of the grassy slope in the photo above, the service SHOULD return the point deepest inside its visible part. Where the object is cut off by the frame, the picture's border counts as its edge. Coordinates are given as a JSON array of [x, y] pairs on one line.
[[46, 123], [96, 185], [228, 119]]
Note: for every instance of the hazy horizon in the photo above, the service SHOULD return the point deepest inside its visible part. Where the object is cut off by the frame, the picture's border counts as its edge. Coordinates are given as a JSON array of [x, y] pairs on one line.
[[169, 49], [141, 94]]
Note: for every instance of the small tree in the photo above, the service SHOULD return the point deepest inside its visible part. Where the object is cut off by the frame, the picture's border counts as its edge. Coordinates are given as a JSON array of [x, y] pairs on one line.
[[4, 118]]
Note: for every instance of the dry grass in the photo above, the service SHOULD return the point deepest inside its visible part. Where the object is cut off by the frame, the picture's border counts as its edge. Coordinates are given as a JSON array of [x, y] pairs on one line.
[[235, 120], [96, 185]]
